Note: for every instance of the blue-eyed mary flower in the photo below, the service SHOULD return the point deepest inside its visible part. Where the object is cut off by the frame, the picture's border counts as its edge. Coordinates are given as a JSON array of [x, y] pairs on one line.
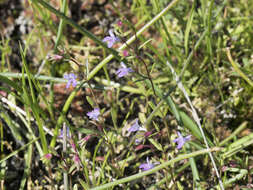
[[123, 71], [110, 40], [181, 140], [148, 165], [67, 133], [138, 141], [71, 79], [136, 127], [94, 114]]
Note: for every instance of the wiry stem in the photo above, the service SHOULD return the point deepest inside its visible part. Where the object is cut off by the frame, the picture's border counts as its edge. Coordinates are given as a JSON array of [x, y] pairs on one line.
[[197, 119]]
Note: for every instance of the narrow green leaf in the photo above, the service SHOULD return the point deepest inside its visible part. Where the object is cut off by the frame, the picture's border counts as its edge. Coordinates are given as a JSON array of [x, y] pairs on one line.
[[27, 170], [156, 144], [238, 146], [15, 130], [17, 151], [10, 83], [188, 28], [191, 125]]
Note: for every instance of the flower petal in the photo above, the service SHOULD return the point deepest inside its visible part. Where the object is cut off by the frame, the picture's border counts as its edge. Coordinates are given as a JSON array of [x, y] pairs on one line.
[[94, 114], [134, 127]]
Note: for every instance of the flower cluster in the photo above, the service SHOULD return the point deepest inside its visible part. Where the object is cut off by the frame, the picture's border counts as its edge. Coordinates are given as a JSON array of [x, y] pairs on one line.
[[111, 40], [95, 113], [71, 79]]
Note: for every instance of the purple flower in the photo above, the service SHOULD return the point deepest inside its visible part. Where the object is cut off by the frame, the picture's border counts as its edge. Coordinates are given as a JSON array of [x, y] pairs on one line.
[[181, 140], [138, 141], [147, 166], [136, 127], [71, 79], [123, 71], [110, 40], [67, 133], [94, 114]]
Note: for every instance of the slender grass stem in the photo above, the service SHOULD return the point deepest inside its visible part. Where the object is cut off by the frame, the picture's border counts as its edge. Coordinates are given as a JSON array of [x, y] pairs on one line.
[[237, 69], [197, 120]]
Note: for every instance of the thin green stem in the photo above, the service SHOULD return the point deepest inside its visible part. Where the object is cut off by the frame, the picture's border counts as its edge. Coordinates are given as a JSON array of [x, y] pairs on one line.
[[187, 62], [197, 120], [237, 69], [62, 80], [65, 173], [52, 70], [236, 132], [17, 151], [61, 25], [64, 112]]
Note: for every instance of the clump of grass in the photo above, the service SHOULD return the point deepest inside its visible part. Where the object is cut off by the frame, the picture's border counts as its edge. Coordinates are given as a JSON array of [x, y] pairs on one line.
[[141, 103]]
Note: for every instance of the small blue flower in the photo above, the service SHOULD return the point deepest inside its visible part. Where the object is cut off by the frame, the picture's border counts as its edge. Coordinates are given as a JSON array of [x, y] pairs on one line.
[[67, 133], [110, 40], [136, 127], [181, 140], [94, 114], [71, 79], [123, 71], [138, 141], [148, 165]]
